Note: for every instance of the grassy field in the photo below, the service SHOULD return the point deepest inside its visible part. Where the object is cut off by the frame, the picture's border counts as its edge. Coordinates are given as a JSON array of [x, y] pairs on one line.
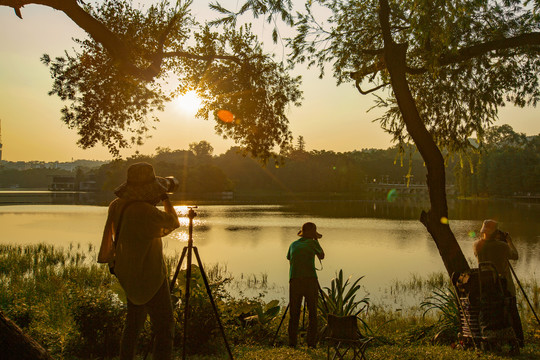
[[75, 309]]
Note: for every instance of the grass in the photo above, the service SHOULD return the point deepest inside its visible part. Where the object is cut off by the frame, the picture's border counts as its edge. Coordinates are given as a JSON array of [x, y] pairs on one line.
[[74, 308], [382, 352]]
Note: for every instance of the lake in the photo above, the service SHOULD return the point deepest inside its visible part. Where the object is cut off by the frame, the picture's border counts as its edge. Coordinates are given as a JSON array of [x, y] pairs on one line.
[[379, 240]]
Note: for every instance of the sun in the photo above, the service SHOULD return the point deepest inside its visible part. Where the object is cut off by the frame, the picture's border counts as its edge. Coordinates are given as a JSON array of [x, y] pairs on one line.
[[188, 103]]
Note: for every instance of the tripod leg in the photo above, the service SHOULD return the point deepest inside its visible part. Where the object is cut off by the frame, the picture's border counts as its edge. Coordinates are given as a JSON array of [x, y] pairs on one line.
[[209, 291], [186, 308], [279, 327], [323, 299], [177, 271], [523, 291]]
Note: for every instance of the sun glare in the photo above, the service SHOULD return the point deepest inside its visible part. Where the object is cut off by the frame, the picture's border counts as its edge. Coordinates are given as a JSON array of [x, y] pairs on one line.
[[188, 103]]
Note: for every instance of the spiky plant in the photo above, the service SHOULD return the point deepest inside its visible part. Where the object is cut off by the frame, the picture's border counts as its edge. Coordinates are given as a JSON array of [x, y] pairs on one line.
[[446, 303]]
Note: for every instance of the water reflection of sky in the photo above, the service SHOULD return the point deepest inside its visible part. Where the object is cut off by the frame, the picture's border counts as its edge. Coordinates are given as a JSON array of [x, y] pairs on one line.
[[254, 240]]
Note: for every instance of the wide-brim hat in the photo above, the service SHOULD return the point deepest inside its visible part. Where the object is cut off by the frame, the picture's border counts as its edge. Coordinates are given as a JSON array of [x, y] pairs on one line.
[[489, 227], [142, 184], [309, 230]]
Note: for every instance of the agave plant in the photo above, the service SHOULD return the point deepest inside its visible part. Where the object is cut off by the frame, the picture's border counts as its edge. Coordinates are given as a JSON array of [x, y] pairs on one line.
[[339, 299], [446, 302]]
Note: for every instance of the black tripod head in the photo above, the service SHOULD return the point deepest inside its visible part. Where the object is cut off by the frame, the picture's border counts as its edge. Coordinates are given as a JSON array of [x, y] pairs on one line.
[[191, 212]]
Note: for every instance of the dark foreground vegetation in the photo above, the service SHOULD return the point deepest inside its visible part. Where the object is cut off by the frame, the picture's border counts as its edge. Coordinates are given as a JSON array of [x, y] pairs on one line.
[[75, 309]]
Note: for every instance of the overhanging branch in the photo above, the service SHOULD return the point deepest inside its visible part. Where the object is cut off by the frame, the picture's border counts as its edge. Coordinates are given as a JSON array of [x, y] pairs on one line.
[[467, 53], [116, 48]]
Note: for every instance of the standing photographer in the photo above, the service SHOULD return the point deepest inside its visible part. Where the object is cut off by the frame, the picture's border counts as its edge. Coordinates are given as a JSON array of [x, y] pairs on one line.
[[497, 247], [132, 247], [303, 281]]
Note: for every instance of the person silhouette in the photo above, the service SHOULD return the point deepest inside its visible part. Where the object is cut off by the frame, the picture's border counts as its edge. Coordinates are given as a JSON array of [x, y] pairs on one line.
[[303, 282], [132, 247]]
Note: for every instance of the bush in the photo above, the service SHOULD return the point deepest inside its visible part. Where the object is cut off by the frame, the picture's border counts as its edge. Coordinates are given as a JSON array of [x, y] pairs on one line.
[[99, 319], [202, 323], [21, 314]]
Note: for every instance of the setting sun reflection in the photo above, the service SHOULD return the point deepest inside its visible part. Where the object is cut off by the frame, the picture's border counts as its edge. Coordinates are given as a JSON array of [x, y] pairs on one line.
[[181, 236], [182, 232]]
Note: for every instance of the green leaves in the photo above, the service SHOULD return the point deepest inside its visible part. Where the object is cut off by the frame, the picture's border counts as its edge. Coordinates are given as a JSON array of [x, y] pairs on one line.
[[116, 80], [446, 303], [263, 315], [255, 91], [463, 59], [340, 299]]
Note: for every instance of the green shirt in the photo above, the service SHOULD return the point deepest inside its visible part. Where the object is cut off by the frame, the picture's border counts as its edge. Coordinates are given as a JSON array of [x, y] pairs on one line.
[[301, 257]]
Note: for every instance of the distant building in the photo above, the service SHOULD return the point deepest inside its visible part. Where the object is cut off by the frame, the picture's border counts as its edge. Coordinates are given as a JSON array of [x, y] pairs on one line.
[[63, 183], [88, 186]]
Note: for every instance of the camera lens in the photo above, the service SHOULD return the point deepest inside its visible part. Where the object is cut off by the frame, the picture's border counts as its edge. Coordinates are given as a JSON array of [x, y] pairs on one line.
[[172, 184]]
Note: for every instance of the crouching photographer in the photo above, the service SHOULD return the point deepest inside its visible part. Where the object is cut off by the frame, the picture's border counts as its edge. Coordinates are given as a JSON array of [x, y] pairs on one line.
[[132, 247]]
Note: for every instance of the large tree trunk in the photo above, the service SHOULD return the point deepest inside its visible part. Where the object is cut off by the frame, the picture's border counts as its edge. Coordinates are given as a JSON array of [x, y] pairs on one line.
[[15, 345], [436, 219]]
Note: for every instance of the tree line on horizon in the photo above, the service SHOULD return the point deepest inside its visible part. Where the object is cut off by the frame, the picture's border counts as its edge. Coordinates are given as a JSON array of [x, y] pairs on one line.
[[507, 164]]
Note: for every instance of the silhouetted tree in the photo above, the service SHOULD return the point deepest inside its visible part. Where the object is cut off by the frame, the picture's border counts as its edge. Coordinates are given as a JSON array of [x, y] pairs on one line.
[[507, 164], [300, 143], [114, 80], [202, 148]]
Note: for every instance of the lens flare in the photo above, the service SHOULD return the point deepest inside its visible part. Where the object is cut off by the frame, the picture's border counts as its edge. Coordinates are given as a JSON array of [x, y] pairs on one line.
[[225, 116], [392, 195], [444, 220], [472, 234]]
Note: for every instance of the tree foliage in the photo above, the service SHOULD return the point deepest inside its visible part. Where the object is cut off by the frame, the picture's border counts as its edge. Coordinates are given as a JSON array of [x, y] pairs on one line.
[[116, 79], [508, 164], [464, 59]]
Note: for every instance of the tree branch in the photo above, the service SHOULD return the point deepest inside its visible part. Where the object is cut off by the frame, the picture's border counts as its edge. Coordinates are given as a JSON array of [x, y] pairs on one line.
[[529, 39], [371, 69], [114, 46], [188, 55], [357, 84]]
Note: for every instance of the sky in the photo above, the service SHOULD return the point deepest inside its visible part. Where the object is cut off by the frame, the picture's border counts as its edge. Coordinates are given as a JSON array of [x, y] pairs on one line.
[[330, 118]]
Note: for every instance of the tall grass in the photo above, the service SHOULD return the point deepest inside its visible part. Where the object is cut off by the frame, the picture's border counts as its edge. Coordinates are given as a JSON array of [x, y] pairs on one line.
[[75, 308]]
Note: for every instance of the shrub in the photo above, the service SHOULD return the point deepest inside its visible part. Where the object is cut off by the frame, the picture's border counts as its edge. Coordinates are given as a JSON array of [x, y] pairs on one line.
[[99, 318], [446, 302], [202, 323]]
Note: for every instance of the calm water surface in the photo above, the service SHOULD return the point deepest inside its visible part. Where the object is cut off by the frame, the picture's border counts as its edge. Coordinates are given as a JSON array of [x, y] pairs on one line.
[[383, 242]]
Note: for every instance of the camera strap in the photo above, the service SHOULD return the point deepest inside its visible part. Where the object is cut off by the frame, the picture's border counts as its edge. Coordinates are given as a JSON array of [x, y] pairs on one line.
[[320, 262], [117, 231]]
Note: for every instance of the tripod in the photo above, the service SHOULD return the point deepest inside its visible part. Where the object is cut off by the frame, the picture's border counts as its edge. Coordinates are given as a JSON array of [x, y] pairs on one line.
[[190, 249]]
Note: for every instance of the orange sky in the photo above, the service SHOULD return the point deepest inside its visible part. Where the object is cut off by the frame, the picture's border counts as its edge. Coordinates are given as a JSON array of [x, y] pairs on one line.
[[331, 118]]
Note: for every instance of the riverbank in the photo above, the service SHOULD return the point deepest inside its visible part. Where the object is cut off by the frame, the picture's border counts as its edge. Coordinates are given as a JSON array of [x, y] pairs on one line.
[[75, 309]]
